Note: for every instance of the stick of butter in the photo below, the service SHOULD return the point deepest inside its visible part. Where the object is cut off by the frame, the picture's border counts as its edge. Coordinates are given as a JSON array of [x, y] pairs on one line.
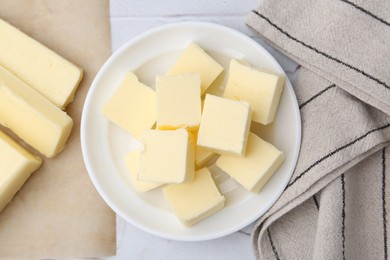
[[195, 60], [132, 161], [16, 166], [224, 126], [194, 201], [261, 88], [44, 70], [254, 170], [167, 157], [31, 116], [132, 106], [178, 101]]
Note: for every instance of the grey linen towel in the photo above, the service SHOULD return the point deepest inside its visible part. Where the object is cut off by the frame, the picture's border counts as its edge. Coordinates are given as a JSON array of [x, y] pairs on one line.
[[336, 205]]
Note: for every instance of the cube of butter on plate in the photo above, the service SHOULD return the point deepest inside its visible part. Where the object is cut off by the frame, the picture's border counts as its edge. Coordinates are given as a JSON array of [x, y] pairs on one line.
[[194, 201], [195, 60], [44, 70], [261, 88], [202, 156], [167, 156], [132, 106], [16, 166], [32, 117], [254, 170], [132, 161], [178, 101], [224, 126]]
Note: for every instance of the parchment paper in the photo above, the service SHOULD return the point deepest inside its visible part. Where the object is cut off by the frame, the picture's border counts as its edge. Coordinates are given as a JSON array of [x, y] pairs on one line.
[[58, 213]]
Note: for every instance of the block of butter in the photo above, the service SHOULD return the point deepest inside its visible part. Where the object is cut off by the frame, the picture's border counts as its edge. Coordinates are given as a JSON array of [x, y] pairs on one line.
[[167, 156], [224, 126], [194, 201], [178, 101], [32, 117], [132, 106], [132, 160], [195, 60], [254, 170], [202, 156], [261, 88], [16, 166], [44, 70]]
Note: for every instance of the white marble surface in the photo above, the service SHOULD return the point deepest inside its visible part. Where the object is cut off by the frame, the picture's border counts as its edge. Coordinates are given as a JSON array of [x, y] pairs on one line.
[[130, 18]]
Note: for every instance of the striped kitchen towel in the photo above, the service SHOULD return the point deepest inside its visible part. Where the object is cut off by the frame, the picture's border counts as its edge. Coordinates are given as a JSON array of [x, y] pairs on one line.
[[337, 203]]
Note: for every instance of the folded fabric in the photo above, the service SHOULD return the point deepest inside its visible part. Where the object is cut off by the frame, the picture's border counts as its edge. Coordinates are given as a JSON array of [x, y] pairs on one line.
[[335, 205]]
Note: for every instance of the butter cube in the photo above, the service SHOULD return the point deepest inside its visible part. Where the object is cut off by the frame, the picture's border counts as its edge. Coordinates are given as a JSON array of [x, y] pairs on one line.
[[254, 170], [178, 101], [194, 201], [132, 161], [195, 60], [261, 88], [168, 156], [44, 70], [132, 106], [202, 156], [224, 126], [16, 166], [32, 117]]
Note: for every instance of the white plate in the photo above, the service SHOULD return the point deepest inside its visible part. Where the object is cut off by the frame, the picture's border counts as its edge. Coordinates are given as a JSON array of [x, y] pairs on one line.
[[104, 145]]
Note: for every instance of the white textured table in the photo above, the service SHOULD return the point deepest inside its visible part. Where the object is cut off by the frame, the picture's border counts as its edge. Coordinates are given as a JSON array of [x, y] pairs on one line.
[[130, 18]]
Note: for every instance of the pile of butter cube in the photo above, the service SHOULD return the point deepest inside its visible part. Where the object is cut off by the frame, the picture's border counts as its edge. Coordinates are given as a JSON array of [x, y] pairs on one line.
[[182, 127], [36, 85]]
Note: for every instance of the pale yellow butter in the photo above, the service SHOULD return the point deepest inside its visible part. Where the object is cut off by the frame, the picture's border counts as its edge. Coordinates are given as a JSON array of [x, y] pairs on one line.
[[31, 116], [132, 106], [132, 161], [202, 156], [254, 170], [167, 156], [178, 101], [261, 88], [16, 166], [44, 70], [195, 60], [194, 201], [224, 125]]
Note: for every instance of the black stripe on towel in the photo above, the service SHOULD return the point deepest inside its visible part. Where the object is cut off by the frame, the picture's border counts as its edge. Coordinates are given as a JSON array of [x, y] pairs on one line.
[[272, 245], [384, 213], [366, 12], [321, 52], [343, 215], [316, 96], [316, 202], [334, 152]]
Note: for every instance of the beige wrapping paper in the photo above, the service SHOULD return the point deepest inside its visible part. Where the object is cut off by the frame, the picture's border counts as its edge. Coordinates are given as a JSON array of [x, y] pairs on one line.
[[58, 213]]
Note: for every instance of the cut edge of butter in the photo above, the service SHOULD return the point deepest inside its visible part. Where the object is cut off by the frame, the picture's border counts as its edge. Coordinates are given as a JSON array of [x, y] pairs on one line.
[[194, 59], [214, 136], [255, 169], [178, 101], [132, 161], [11, 183], [132, 106], [32, 117], [201, 193], [168, 156], [261, 87]]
